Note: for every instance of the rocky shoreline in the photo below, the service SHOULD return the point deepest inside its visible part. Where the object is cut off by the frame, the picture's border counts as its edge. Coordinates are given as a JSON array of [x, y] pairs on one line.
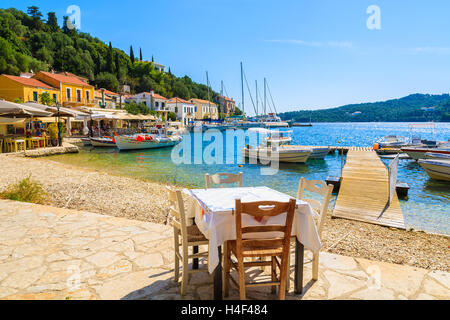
[[95, 191]]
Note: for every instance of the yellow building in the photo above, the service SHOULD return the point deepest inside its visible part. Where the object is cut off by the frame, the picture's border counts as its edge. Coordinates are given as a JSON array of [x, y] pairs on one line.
[[26, 89], [73, 90], [205, 109]]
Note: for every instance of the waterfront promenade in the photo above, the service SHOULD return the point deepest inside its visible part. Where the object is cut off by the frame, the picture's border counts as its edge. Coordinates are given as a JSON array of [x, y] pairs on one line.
[[54, 253]]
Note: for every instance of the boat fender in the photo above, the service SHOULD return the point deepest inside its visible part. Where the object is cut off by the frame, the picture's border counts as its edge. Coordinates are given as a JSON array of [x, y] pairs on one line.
[[139, 138]]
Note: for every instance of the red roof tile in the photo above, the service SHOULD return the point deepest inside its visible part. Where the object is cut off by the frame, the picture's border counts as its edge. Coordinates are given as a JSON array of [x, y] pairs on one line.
[[179, 100], [29, 82], [65, 78]]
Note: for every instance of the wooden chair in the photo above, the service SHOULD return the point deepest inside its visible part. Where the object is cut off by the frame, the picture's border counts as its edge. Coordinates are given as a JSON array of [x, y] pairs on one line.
[[273, 247], [320, 211], [190, 236], [223, 178], [1, 145]]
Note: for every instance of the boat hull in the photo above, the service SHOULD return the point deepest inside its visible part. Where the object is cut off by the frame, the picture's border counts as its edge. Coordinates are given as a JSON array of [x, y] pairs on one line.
[[102, 143], [131, 143], [264, 154], [420, 153], [437, 169]]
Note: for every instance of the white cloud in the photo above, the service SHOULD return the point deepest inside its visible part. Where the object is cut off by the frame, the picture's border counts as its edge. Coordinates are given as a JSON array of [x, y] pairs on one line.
[[315, 44], [431, 50]]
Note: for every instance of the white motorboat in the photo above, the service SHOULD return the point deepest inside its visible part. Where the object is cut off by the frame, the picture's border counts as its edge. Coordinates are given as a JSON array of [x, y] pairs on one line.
[[278, 138], [392, 141], [103, 142], [280, 154], [436, 169], [421, 152]]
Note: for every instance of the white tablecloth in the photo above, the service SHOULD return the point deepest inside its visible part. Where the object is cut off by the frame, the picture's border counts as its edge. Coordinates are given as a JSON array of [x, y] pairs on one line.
[[213, 208]]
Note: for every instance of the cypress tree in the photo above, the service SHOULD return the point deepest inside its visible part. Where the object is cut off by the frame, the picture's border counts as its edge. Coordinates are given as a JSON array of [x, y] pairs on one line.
[[117, 66], [109, 59], [152, 59], [140, 54], [131, 55]]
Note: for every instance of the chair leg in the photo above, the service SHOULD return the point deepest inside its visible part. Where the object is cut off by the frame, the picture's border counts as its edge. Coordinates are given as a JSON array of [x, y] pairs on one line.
[[283, 274], [241, 278], [226, 269], [185, 271], [288, 276], [176, 246], [274, 274], [315, 266]]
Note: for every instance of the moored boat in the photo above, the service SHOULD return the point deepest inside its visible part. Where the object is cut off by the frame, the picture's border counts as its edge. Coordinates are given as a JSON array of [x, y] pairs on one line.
[[146, 141], [436, 169], [103, 142], [280, 154], [86, 142], [421, 153]]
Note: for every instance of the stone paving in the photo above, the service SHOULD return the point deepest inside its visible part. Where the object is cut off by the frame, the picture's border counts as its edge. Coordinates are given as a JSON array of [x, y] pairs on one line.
[[53, 253]]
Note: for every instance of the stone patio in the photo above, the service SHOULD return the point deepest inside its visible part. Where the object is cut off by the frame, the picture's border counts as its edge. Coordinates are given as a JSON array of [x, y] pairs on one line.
[[52, 253]]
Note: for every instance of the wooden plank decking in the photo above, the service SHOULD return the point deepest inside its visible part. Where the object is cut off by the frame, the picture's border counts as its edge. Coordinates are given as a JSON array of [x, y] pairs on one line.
[[364, 191]]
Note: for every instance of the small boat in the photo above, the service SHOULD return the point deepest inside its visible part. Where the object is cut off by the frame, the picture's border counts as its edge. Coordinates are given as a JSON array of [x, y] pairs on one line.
[[401, 156], [318, 153], [278, 138], [280, 154], [438, 156], [146, 141], [103, 142], [421, 152], [392, 141], [436, 169]]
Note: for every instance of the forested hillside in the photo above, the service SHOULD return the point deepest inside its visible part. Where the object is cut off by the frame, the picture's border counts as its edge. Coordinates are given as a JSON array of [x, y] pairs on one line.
[[30, 42], [413, 108]]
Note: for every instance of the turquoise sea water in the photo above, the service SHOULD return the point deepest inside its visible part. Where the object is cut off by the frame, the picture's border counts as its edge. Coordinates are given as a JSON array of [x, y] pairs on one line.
[[427, 207]]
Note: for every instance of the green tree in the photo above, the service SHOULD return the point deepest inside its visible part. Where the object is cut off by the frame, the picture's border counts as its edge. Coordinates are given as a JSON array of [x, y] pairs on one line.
[[172, 116], [140, 54], [46, 99], [36, 16], [52, 22], [108, 81], [131, 55], [110, 59]]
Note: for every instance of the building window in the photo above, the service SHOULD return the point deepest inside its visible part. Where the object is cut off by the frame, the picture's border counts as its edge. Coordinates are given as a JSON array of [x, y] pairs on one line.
[[176, 109], [162, 104], [195, 109], [35, 96], [88, 96], [78, 95], [54, 98], [156, 104], [68, 94]]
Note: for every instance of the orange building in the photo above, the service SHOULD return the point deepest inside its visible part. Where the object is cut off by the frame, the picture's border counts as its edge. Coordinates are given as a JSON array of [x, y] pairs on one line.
[[73, 91], [13, 88]]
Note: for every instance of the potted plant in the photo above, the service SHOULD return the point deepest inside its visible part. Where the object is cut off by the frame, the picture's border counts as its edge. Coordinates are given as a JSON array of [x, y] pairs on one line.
[[53, 133]]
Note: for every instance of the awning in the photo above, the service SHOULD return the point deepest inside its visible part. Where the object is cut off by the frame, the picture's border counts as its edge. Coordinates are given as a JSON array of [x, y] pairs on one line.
[[8, 108], [11, 120], [63, 112]]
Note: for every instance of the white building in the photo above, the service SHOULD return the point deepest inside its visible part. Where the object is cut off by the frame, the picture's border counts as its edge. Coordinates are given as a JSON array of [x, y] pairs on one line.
[[152, 100], [184, 110]]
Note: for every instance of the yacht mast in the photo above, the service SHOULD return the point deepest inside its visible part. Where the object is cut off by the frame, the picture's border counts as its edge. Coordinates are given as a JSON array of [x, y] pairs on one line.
[[242, 87], [265, 110], [207, 84], [256, 83]]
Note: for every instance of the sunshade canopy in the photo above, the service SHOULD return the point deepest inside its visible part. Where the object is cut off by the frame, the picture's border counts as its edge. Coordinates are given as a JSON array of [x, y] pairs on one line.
[[63, 112], [8, 108]]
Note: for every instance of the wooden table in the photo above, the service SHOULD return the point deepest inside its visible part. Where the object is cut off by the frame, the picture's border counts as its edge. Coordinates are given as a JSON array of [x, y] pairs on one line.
[[219, 204]]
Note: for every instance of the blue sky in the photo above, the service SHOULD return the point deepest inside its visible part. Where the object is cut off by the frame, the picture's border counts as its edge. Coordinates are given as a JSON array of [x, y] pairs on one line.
[[315, 54]]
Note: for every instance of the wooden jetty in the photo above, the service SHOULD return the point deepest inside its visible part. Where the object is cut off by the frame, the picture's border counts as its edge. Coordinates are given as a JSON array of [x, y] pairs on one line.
[[364, 191]]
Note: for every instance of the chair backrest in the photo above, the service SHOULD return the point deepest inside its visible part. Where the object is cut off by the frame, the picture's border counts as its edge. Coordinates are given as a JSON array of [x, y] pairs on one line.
[[177, 211], [223, 178], [261, 209], [320, 207]]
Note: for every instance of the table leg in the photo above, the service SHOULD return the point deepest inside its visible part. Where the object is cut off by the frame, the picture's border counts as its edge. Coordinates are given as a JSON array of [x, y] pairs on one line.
[[299, 251], [195, 262], [218, 277]]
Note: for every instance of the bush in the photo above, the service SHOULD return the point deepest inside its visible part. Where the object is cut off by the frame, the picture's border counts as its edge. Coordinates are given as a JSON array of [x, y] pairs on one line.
[[26, 190]]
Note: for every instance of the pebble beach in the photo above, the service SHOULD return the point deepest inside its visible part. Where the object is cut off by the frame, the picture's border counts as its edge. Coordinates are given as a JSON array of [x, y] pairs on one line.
[[95, 191]]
